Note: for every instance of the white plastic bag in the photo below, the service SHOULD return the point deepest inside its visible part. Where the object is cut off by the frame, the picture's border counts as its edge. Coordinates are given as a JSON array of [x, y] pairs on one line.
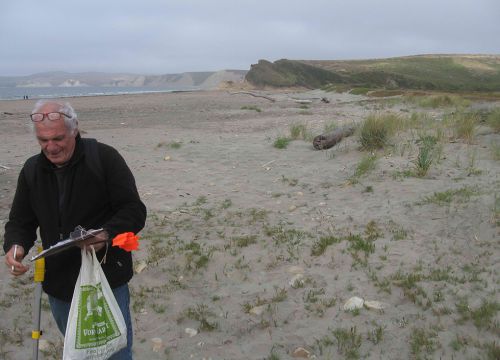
[[96, 328]]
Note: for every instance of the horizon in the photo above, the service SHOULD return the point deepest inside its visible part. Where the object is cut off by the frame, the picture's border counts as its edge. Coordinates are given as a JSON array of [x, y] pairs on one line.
[[205, 71]]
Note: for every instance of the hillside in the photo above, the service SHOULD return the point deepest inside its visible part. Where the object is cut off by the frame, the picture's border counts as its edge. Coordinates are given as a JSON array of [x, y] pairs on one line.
[[285, 73], [202, 80], [422, 72]]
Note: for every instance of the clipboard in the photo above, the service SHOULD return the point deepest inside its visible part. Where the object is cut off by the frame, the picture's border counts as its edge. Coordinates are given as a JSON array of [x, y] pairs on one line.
[[75, 238]]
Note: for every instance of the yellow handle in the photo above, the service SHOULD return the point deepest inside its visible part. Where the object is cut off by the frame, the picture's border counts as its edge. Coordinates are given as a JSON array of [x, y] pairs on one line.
[[39, 267], [36, 335]]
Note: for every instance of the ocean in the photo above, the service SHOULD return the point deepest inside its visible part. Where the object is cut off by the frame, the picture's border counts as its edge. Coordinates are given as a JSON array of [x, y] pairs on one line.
[[13, 93]]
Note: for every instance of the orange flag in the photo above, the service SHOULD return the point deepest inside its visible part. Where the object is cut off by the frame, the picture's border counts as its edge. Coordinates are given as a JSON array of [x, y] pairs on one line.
[[126, 241]]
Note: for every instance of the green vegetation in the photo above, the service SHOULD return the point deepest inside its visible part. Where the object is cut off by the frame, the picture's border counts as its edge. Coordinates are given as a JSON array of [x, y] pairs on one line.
[[409, 283], [372, 231], [156, 250], [422, 341], [244, 241], [365, 165], [300, 131], [376, 130], [281, 235], [283, 73], [315, 303], [492, 350], [273, 356], [424, 72], [319, 247], [281, 142], [495, 150], [464, 125], [175, 144], [496, 210], [280, 295], [398, 232], [226, 203], [425, 155], [419, 120], [196, 255], [360, 91], [330, 126], [438, 101], [291, 182], [172, 145], [445, 197], [296, 130], [423, 161], [251, 107], [200, 200], [483, 317], [493, 120], [376, 335], [202, 314], [348, 342], [358, 243]]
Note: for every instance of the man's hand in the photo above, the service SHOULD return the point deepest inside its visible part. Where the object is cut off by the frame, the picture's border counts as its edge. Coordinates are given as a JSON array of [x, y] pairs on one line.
[[14, 263], [98, 241]]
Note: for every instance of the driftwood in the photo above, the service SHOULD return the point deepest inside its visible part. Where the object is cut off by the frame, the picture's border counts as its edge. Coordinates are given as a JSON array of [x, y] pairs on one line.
[[328, 140], [254, 95], [303, 101]]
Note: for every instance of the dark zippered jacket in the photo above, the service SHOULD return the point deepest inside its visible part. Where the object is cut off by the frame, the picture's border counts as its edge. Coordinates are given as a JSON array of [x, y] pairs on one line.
[[109, 200]]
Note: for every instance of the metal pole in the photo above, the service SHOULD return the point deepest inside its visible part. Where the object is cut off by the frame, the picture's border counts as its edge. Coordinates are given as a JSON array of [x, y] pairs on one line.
[[39, 276]]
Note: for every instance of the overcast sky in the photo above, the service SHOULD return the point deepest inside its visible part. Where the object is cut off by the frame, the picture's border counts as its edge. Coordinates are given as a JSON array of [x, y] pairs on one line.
[[167, 36]]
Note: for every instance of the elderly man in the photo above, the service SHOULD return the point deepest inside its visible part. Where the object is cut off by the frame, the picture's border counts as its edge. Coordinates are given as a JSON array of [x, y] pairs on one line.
[[73, 181]]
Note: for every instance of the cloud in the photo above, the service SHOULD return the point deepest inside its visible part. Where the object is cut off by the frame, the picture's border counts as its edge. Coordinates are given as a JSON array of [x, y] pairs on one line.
[[153, 36]]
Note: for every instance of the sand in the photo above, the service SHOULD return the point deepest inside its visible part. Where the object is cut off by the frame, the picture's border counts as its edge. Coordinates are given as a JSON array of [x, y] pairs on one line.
[[233, 223]]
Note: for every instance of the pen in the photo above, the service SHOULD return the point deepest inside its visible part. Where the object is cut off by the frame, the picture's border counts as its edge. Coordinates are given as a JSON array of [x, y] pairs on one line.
[[15, 253]]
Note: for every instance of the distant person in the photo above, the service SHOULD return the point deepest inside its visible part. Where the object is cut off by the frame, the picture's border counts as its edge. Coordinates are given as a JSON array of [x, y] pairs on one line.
[[59, 189]]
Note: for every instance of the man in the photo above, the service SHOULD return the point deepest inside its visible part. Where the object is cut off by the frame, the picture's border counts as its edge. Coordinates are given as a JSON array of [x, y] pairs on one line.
[[71, 183]]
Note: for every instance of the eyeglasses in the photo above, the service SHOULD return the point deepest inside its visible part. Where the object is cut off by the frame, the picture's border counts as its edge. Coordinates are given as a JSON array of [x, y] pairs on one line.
[[52, 116]]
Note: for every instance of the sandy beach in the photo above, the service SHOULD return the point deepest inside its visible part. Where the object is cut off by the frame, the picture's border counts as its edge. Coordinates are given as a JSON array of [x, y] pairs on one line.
[[251, 252]]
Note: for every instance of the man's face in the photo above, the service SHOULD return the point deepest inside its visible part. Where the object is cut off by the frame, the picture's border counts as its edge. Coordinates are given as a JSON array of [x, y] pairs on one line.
[[56, 141]]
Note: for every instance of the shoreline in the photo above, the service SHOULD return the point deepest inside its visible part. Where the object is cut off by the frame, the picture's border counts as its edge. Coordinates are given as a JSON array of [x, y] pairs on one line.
[[66, 96]]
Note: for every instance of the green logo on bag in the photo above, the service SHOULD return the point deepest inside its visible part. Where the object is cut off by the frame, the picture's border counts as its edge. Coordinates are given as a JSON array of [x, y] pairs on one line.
[[96, 325]]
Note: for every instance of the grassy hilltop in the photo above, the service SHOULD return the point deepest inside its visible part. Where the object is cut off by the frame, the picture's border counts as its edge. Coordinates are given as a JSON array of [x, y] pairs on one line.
[[422, 72]]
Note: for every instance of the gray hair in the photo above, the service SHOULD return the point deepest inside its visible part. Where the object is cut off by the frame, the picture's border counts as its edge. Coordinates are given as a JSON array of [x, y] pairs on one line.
[[71, 120]]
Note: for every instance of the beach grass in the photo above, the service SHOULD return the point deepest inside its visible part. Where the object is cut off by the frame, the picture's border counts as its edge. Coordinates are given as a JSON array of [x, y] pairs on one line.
[[376, 130], [281, 142], [463, 125]]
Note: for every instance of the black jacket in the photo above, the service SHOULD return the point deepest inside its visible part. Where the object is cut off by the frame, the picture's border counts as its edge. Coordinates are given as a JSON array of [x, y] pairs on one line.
[[109, 200]]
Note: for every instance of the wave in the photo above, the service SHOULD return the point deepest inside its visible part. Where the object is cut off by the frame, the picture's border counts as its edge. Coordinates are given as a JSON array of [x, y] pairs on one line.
[[15, 93]]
